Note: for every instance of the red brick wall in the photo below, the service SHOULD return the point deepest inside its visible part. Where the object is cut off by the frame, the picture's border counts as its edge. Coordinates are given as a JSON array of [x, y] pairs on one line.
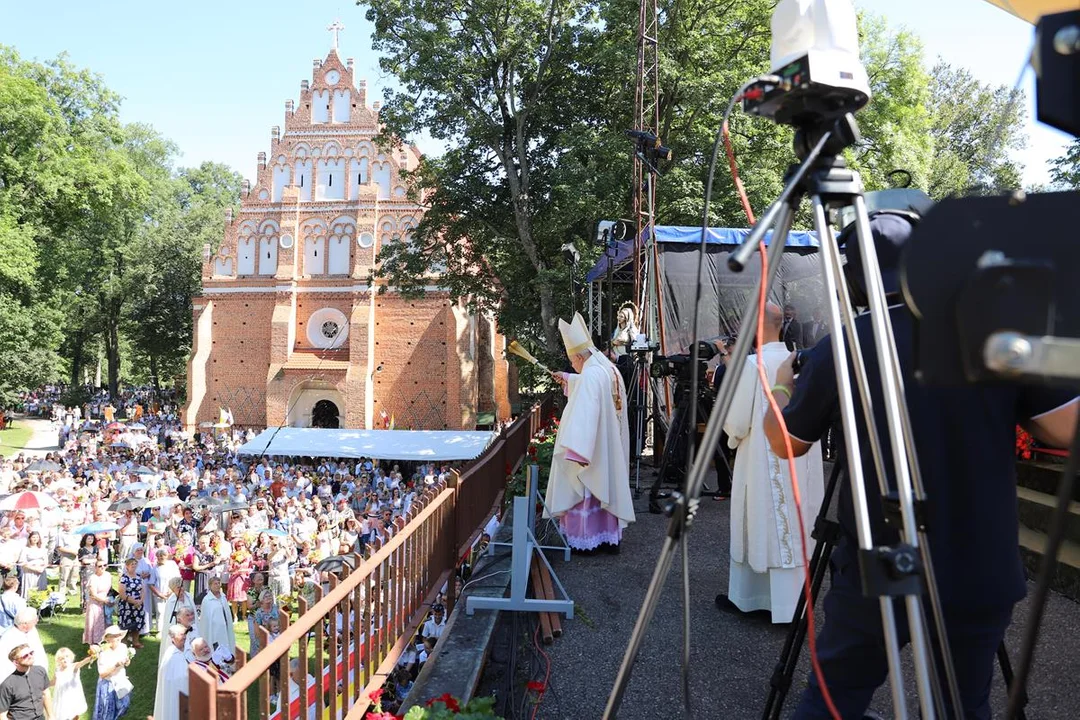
[[239, 358]]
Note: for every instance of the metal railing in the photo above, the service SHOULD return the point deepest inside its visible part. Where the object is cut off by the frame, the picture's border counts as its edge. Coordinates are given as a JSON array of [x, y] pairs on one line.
[[368, 612]]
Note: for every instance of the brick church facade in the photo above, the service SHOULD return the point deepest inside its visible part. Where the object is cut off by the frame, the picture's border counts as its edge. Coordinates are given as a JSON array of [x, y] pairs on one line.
[[290, 326]]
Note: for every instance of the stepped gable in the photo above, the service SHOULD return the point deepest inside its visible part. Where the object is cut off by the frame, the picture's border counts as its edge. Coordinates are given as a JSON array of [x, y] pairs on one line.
[[292, 325]]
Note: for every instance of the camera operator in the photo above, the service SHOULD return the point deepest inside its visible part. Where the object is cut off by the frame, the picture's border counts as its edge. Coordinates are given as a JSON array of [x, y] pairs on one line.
[[965, 441]]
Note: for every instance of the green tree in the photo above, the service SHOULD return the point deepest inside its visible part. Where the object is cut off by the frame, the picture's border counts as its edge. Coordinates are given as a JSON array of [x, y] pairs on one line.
[[501, 82], [1065, 170], [167, 266], [976, 130]]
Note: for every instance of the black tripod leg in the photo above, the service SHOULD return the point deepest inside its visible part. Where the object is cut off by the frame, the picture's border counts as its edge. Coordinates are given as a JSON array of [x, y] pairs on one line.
[[670, 446], [780, 683], [1007, 676], [827, 533]]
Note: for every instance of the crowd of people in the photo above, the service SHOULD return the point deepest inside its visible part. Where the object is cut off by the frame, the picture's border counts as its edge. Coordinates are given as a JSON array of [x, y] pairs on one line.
[[152, 531]]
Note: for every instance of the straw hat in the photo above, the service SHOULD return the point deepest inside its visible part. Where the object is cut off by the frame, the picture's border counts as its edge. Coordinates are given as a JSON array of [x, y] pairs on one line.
[[114, 630]]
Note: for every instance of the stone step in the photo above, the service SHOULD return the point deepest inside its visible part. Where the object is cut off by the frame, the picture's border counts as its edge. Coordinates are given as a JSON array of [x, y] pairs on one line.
[[1037, 509], [1042, 477], [1066, 575]]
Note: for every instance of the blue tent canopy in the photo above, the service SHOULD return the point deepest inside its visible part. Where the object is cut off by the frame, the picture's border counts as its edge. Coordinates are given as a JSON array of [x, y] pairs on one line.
[[692, 235]]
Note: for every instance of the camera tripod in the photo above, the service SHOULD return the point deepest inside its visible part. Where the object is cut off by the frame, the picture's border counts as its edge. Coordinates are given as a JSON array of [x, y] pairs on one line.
[[826, 533], [673, 461], [900, 570], [638, 390]]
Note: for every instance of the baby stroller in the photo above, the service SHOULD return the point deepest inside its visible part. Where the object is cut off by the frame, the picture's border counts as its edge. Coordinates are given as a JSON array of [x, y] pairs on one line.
[[52, 605]]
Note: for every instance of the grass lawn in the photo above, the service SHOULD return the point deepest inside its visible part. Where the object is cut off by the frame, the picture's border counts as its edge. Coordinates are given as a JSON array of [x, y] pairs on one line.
[[65, 630], [14, 438]]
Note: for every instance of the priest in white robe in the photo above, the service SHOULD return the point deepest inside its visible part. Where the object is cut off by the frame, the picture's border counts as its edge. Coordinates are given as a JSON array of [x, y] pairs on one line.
[[766, 567], [178, 599], [172, 675], [216, 618], [23, 632], [589, 486]]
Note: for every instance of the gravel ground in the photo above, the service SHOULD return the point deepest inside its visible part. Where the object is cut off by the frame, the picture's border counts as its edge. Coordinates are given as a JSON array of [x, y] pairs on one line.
[[732, 657]]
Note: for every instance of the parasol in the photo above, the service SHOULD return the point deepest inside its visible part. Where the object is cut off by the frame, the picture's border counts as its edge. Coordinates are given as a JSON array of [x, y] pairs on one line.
[[96, 528], [40, 466], [206, 502], [163, 502], [143, 470], [127, 504], [135, 487], [274, 532], [28, 500]]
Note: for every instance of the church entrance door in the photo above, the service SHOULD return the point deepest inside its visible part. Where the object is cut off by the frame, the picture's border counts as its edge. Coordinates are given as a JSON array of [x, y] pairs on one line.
[[325, 415]]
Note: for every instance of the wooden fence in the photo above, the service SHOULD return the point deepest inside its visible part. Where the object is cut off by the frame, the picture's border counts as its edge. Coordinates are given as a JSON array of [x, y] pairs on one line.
[[373, 607]]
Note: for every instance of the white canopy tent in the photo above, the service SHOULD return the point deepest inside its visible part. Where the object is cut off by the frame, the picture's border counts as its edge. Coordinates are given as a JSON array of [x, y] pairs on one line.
[[414, 445]]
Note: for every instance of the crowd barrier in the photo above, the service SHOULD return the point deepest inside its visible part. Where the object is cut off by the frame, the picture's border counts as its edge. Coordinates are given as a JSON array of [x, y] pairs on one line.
[[362, 621]]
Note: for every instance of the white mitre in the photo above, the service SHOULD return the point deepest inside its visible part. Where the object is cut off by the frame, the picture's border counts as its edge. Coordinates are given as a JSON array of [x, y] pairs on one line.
[[576, 336]]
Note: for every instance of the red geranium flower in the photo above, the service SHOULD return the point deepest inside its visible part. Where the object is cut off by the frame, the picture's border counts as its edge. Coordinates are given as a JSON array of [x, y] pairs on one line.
[[448, 700], [376, 695]]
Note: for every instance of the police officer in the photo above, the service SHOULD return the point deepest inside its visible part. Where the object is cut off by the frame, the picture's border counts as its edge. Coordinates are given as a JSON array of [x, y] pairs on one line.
[[965, 438]]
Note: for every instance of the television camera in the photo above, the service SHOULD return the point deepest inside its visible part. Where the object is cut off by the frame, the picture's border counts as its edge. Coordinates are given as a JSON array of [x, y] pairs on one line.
[[678, 367]]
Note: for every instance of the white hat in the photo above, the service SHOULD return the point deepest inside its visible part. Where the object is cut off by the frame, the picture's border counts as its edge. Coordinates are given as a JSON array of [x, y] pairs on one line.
[[575, 335], [114, 630]]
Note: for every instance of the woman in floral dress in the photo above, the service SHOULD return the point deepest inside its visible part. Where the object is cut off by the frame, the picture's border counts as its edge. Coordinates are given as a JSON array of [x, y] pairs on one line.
[[113, 695], [130, 605], [241, 564]]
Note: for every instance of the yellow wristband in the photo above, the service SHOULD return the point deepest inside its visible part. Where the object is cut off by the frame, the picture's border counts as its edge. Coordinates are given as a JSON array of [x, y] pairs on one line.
[[782, 388]]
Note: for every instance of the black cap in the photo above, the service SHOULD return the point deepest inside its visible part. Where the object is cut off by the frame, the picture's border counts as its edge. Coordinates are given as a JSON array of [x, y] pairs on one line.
[[891, 231]]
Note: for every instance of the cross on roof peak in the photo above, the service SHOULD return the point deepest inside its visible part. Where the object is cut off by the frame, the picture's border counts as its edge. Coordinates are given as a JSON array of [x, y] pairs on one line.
[[335, 28]]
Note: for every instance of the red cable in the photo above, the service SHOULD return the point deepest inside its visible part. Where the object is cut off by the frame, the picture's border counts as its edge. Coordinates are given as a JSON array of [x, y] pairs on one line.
[[764, 379], [735, 175], [547, 672]]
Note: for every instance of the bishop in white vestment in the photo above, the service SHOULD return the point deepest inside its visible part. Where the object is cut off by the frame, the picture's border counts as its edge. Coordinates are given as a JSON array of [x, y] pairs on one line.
[[766, 569], [589, 485]]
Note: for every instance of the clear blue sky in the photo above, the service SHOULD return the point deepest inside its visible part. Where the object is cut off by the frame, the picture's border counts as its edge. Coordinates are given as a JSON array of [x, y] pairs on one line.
[[214, 76]]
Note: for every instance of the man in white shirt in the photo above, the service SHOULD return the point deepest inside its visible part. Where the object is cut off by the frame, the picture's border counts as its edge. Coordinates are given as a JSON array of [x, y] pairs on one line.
[[435, 624], [23, 633]]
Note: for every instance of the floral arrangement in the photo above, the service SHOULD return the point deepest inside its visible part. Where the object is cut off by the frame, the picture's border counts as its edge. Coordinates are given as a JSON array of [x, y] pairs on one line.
[[441, 708], [239, 557], [1024, 443], [38, 598]]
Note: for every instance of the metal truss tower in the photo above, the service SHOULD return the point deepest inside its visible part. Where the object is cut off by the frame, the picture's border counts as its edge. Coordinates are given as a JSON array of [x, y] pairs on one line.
[[646, 120]]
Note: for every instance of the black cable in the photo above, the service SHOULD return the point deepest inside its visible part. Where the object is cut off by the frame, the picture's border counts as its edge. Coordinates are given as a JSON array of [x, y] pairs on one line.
[[1018, 690]]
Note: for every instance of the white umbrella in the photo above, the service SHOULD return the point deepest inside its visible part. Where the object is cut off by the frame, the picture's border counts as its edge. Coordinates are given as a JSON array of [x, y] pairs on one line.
[[135, 487], [163, 502], [28, 500], [62, 484]]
